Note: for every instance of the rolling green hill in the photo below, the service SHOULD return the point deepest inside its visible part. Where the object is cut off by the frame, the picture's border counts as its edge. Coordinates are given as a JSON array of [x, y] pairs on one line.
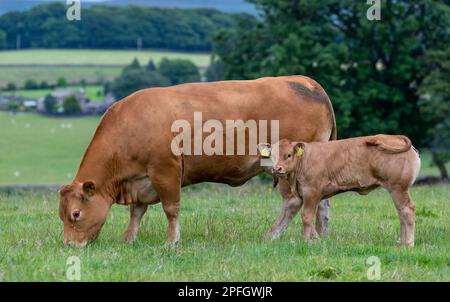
[[74, 65]]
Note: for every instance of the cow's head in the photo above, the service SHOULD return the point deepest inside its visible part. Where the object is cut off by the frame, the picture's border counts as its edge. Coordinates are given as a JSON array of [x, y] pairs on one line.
[[83, 211], [284, 155]]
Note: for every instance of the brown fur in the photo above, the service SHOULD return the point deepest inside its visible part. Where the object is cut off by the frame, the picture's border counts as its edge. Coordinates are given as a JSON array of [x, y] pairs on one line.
[[129, 160], [356, 164]]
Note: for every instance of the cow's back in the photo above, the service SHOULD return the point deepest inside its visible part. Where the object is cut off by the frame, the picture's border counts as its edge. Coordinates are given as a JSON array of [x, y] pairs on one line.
[[141, 124]]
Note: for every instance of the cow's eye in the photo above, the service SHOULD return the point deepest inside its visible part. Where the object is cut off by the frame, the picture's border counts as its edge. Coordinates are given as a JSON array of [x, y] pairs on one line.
[[289, 155]]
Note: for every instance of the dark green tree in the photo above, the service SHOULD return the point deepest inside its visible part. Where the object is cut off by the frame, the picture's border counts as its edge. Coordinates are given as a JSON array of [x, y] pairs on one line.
[[44, 85], [31, 84], [179, 71], [134, 65], [11, 86], [214, 72], [50, 104], [136, 79], [61, 82], [3, 43], [71, 105], [435, 106], [151, 65]]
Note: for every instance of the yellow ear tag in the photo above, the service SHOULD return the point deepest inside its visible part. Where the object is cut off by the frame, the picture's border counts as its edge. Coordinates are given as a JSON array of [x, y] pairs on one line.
[[299, 152], [265, 152]]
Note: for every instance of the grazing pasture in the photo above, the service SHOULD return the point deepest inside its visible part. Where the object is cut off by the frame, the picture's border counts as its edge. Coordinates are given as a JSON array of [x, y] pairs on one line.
[[221, 227], [221, 231], [36, 149]]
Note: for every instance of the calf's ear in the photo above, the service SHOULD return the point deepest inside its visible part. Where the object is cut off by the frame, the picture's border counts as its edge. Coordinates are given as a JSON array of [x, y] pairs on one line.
[[264, 150], [89, 188], [64, 189], [299, 147]]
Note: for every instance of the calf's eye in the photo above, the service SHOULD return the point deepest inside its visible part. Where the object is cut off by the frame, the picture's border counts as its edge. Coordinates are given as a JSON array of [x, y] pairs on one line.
[[289, 155]]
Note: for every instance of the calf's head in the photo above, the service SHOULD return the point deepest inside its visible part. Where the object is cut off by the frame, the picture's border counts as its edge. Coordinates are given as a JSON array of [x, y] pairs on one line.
[[283, 154], [83, 211]]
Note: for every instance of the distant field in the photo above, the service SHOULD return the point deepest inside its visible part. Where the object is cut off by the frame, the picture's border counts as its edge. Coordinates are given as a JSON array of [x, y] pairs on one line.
[[74, 74], [49, 59], [39, 150], [93, 92], [36, 149], [104, 57]]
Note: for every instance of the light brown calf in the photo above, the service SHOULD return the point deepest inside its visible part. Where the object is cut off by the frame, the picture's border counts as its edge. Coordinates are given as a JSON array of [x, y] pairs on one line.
[[323, 169]]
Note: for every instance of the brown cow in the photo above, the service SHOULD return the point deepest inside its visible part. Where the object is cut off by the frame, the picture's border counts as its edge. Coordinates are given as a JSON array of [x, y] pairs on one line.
[[130, 159], [323, 169]]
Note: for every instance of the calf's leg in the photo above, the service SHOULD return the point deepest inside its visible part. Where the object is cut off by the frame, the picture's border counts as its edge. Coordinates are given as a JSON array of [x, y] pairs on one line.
[[311, 203], [291, 206], [406, 213], [137, 211], [322, 216]]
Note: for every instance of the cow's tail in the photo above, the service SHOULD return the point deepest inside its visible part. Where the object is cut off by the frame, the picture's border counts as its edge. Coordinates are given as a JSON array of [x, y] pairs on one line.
[[333, 135], [390, 143]]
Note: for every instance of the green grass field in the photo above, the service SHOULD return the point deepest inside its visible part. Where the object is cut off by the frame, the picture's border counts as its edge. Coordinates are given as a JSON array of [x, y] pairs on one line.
[[78, 56], [221, 226], [37, 149], [74, 74], [221, 231], [93, 92]]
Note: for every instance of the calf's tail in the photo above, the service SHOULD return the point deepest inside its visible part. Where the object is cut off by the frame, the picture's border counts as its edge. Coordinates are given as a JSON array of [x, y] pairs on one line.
[[390, 143]]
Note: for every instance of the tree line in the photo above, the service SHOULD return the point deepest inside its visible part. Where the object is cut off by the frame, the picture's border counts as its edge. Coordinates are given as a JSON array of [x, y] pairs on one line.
[[111, 27], [168, 72]]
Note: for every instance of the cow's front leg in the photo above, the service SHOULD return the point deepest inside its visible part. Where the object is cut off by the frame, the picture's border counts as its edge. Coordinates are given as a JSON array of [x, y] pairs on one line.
[[167, 183], [137, 211], [291, 206]]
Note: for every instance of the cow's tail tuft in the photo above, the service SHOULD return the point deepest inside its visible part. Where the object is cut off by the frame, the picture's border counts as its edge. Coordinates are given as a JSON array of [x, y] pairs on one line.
[[390, 143]]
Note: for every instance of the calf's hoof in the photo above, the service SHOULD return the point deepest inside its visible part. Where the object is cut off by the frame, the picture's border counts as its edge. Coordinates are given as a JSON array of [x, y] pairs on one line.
[[171, 243], [406, 244]]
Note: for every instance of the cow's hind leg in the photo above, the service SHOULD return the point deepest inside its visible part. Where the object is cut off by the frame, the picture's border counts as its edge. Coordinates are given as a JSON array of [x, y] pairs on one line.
[[137, 211], [406, 212], [291, 206]]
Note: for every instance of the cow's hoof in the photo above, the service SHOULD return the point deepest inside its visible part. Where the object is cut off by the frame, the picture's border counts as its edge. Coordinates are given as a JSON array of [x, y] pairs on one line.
[[129, 236]]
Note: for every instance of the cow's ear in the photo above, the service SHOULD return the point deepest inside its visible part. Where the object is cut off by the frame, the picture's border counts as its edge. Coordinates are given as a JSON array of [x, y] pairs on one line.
[[299, 148], [89, 188], [264, 150]]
